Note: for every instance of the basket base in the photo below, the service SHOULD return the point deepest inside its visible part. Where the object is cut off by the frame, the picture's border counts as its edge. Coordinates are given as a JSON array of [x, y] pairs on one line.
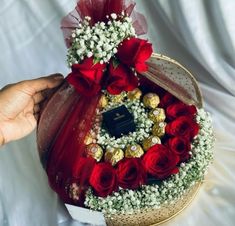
[[153, 217]]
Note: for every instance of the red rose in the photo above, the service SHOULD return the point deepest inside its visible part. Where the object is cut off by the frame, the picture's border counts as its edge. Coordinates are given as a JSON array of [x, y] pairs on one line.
[[103, 179], [131, 173], [179, 109], [134, 52], [167, 100], [183, 126], [87, 77], [120, 78], [160, 162], [181, 147]]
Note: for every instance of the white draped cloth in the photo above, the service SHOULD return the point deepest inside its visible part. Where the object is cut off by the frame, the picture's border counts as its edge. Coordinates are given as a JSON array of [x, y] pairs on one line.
[[200, 34]]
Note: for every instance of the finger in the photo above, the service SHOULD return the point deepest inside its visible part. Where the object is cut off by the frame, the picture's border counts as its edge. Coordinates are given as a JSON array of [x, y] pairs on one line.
[[38, 97], [36, 109], [48, 82], [36, 85]]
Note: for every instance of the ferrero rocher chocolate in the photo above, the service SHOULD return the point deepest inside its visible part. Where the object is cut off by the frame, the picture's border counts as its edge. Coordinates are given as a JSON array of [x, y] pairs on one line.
[[159, 129], [134, 151], [150, 141], [151, 100], [103, 101], [117, 98], [88, 139], [113, 155], [157, 115], [135, 94], [94, 151]]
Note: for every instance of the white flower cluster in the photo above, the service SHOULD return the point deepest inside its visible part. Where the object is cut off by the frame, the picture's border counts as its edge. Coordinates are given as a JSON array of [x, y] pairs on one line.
[[143, 127], [101, 40], [153, 196]]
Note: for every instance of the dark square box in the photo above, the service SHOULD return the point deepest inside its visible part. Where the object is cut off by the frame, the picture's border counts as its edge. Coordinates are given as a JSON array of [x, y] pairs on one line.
[[119, 121]]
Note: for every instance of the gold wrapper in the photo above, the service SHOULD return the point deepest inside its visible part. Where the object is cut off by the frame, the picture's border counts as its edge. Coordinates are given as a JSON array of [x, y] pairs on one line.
[[159, 129], [114, 155], [103, 101], [157, 115], [88, 139], [150, 141], [151, 100], [134, 151], [135, 94], [117, 98], [94, 151]]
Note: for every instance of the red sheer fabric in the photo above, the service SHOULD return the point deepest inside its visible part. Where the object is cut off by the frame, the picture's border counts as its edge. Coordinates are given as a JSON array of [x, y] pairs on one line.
[[66, 137], [97, 10]]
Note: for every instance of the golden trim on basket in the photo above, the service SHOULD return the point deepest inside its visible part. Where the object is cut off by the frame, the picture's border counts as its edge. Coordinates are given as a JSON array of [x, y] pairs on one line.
[[154, 217]]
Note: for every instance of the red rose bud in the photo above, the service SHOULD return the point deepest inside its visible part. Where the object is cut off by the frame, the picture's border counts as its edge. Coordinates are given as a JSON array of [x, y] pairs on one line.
[[179, 109], [120, 78], [87, 77], [181, 147], [134, 52], [183, 126], [160, 162], [103, 179], [167, 100], [131, 173]]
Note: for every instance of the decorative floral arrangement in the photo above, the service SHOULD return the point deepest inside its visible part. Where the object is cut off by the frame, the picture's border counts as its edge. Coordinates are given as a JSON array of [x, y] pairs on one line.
[[126, 143], [185, 175], [107, 55], [162, 147]]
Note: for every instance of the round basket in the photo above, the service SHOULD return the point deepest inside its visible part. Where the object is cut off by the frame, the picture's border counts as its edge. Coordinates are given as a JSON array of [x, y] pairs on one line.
[[152, 217], [166, 73]]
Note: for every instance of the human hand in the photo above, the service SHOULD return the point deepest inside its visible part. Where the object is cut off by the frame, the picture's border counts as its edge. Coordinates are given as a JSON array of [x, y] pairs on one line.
[[19, 106]]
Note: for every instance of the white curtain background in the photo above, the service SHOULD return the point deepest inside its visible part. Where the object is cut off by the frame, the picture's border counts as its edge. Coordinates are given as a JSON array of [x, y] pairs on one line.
[[200, 34]]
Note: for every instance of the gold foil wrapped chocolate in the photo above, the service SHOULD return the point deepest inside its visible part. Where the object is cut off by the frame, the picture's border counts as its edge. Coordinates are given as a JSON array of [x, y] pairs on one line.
[[150, 141], [135, 94], [88, 139], [159, 129], [94, 151], [103, 101], [117, 98], [134, 151], [113, 155], [157, 115], [151, 100]]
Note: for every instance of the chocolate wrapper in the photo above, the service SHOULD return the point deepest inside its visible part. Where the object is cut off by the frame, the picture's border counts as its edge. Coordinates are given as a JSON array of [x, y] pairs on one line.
[[113, 155], [157, 115], [151, 100], [134, 151]]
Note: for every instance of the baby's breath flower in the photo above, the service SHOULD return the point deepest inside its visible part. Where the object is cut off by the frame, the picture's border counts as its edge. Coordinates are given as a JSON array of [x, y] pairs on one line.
[[100, 40]]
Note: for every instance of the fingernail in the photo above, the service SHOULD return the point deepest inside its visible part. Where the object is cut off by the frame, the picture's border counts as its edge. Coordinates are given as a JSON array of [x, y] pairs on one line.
[[58, 77]]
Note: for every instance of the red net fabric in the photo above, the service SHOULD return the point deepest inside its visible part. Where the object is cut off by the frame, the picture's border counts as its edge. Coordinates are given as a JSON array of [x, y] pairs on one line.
[[98, 10]]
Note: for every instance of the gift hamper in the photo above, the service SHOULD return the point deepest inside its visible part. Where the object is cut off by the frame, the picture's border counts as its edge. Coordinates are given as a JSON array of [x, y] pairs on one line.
[[126, 133]]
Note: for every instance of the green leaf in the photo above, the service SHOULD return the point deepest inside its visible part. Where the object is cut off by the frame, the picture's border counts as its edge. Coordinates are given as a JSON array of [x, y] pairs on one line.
[[96, 61], [115, 63]]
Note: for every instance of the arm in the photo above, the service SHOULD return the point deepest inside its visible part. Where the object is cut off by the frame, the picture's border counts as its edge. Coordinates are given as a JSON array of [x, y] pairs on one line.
[[19, 106]]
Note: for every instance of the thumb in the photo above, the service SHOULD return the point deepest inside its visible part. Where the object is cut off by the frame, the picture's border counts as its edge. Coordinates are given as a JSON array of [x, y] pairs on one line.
[[48, 82]]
